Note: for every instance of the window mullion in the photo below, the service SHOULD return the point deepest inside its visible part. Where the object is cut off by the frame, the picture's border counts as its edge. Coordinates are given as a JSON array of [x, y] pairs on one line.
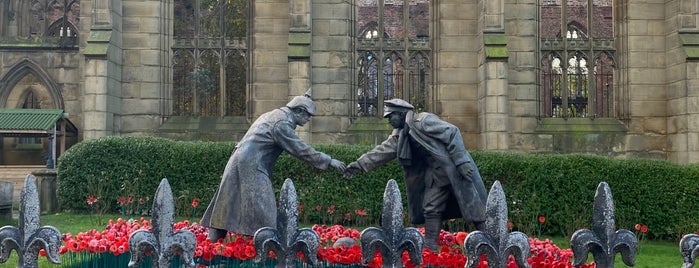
[[406, 51], [222, 58], [380, 61], [197, 59], [591, 73], [565, 90]]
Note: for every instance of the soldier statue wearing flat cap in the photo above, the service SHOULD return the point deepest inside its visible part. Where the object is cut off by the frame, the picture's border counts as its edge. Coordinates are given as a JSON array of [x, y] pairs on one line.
[[441, 178], [245, 201]]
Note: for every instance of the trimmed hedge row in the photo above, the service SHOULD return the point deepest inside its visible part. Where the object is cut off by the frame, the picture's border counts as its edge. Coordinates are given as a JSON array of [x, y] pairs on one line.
[[561, 187]]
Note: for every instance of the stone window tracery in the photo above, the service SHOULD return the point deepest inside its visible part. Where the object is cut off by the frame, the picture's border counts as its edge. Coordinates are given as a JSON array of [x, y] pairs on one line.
[[393, 44], [40, 18], [577, 63], [210, 58]]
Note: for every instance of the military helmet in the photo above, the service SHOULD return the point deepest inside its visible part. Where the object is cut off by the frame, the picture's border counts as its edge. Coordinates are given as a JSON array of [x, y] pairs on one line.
[[304, 101], [396, 105]]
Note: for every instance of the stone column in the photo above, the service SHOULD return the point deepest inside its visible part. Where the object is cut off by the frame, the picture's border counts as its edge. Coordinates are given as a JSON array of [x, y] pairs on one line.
[[299, 55], [493, 93], [102, 70], [493, 96], [6, 192], [95, 114]]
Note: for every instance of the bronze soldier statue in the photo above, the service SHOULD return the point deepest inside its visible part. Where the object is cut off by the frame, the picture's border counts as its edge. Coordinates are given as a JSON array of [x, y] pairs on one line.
[[441, 178], [244, 201]]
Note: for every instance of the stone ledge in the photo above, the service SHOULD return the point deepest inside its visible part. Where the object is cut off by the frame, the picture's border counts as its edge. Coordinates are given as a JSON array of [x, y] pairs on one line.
[[369, 130], [690, 45], [213, 128], [602, 136], [567, 125], [495, 45]]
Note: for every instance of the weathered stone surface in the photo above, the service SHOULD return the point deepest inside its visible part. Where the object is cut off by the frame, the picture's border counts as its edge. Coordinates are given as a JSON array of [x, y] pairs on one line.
[[160, 241], [602, 240], [29, 238], [287, 239], [391, 239], [689, 247], [496, 242]]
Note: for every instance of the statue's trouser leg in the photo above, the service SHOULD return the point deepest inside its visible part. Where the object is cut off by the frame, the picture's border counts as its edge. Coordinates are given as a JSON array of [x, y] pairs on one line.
[[480, 225], [216, 234], [435, 202]]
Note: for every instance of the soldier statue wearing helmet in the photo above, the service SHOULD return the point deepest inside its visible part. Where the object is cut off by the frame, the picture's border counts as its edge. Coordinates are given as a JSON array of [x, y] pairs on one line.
[[245, 195], [304, 101]]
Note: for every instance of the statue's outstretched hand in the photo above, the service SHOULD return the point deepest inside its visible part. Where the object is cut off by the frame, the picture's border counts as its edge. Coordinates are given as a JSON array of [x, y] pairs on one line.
[[352, 169], [338, 165]]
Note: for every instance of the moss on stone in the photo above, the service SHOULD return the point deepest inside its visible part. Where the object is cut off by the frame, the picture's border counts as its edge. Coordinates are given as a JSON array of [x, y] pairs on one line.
[[495, 46]]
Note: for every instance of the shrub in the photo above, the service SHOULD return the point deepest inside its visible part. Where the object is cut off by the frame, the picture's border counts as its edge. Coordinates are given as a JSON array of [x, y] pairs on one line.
[[561, 187]]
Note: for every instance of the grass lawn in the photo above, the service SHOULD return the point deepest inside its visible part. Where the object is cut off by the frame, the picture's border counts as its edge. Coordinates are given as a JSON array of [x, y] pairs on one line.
[[652, 253]]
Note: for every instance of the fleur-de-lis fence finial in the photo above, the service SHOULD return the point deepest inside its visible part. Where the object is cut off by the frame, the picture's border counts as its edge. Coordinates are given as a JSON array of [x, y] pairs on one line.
[[392, 239], [29, 238], [495, 242], [689, 247], [287, 239], [160, 241], [603, 241]]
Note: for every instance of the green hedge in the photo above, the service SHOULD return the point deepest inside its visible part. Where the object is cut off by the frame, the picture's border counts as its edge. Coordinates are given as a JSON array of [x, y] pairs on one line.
[[561, 187]]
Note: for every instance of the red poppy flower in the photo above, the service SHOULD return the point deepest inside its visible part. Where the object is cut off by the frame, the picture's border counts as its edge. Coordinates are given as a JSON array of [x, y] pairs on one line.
[[360, 212], [122, 200], [91, 200], [510, 225], [542, 219], [644, 229], [250, 251], [195, 202], [637, 226], [208, 255], [461, 238]]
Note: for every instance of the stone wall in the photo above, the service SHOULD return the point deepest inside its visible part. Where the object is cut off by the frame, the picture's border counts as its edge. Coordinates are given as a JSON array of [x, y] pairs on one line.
[[118, 81]]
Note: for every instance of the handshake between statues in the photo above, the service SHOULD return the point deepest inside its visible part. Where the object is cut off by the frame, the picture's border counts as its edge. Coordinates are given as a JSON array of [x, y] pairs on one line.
[[351, 170], [339, 165]]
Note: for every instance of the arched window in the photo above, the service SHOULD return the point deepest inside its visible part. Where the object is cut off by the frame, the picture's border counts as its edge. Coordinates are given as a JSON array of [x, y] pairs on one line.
[[392, 53], [209, 57], [53, 18], [41, 18], [577, 64], [29, 101]]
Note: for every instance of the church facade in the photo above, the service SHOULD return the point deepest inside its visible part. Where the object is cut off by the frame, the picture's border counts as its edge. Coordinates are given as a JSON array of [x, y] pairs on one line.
[[608, 77]]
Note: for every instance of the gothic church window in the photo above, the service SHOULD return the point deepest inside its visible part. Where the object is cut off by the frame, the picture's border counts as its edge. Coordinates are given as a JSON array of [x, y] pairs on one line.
[[392, 53], [29, 101], [577, 64], [41, 18], [209, 57]]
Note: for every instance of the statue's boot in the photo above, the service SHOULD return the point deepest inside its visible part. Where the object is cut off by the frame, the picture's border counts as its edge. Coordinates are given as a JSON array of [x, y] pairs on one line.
[[216, 234], [433, 225]]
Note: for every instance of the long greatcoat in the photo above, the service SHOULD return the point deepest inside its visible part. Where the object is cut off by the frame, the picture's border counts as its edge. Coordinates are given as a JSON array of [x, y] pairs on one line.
[[445, 145], [245, 201]]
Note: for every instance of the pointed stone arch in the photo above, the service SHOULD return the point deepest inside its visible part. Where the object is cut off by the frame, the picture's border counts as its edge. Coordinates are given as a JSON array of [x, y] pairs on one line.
[[20, 71]]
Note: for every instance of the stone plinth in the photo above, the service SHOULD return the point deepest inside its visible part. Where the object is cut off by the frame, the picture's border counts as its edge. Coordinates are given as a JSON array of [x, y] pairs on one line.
[[46, 184]]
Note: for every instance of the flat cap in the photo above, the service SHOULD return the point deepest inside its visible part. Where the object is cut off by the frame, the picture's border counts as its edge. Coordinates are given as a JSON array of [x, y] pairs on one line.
[[396, 105]]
